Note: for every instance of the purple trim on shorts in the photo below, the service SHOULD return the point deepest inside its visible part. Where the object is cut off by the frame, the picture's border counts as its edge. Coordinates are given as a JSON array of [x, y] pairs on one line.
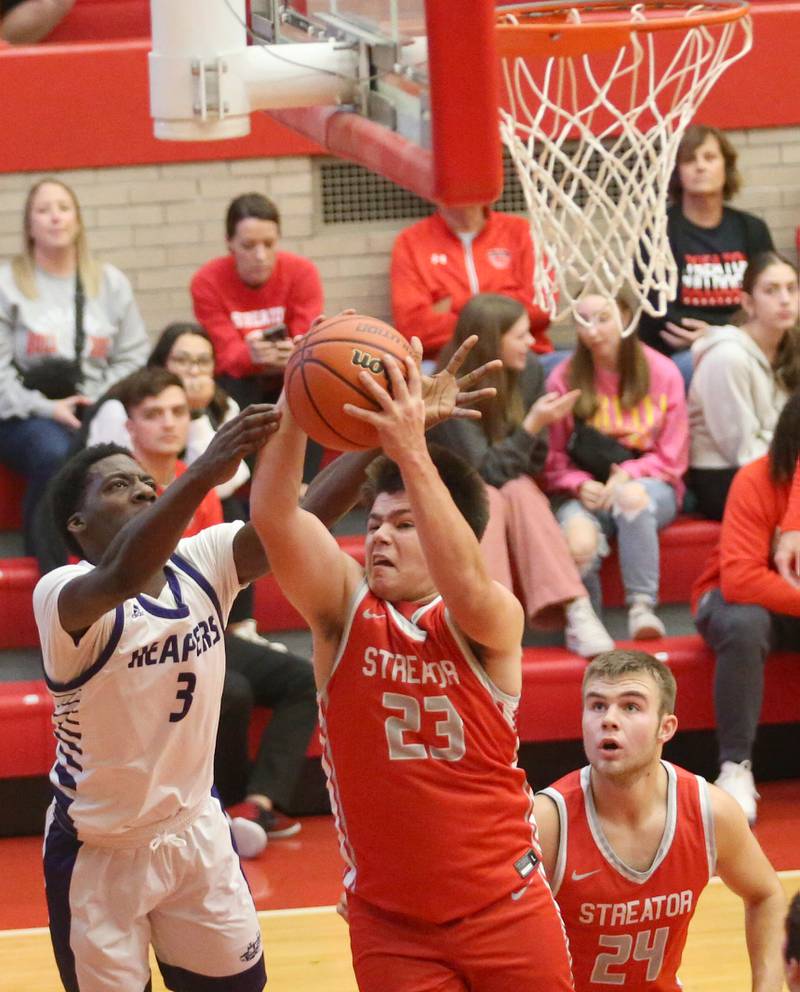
[[181, 980], [60, 853]]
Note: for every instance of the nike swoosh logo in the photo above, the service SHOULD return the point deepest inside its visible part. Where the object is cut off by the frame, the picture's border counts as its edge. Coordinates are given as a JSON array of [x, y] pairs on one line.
[[577, 876], [369, 615], [519, 893]]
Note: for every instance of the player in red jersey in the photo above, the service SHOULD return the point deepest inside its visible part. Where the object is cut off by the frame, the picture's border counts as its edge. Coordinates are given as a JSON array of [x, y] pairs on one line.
[[630, 841], [418, 665]]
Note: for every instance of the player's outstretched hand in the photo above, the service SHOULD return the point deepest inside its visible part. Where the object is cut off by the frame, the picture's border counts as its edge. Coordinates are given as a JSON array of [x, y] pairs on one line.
[[446, 394], [400, 417], [239, 438]]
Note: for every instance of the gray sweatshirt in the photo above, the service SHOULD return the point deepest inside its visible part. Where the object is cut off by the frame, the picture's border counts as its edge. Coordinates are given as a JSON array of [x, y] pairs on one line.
[[519, 453], [115, 345], [734, 400]]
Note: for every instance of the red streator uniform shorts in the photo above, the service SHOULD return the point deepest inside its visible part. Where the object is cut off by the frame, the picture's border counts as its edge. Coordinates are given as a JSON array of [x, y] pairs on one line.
[[516, 943]]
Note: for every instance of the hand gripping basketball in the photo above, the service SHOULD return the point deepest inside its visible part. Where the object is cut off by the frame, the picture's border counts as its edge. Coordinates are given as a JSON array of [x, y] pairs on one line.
[[399, 420], [324, 374]]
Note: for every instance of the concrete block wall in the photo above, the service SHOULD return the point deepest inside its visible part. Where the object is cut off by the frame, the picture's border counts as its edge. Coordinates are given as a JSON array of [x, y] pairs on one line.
[[159, 223]]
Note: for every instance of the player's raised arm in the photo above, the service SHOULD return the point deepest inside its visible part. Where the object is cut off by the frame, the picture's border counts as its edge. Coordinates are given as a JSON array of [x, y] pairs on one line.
[[335, 489], [484, 610], [153, 526], [317, 577], [744, 868]]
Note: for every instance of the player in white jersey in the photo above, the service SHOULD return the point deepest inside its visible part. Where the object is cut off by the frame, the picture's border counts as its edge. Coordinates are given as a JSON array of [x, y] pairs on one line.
[[136, 850]]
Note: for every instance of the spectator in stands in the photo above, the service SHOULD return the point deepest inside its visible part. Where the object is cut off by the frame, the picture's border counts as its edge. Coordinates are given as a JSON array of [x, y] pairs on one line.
[[616, 465], [56, 302], [743, 376], [254, 300], [185, 349], [711, 242], [441, 261], [792, 946], [508, 446], [743, 607], [158, 424], [23, 22]]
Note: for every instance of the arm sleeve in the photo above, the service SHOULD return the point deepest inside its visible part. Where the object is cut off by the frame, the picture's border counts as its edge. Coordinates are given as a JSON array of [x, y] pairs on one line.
[[759, 237], [15, 399], [232, 354], [669, 457], [131, 345], [305, 302], [412, 302], [497, 463], [748, 528], [723, 382]]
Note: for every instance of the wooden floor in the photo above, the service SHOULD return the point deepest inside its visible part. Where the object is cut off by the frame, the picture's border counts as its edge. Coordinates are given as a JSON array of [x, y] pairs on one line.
[[307, 950]]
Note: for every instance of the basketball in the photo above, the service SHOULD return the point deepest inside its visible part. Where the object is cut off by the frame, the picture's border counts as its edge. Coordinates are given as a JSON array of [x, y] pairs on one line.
[[322, 375]]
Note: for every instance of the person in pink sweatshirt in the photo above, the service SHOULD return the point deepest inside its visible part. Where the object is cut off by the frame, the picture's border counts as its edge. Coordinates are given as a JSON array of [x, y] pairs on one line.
[[615, 466]]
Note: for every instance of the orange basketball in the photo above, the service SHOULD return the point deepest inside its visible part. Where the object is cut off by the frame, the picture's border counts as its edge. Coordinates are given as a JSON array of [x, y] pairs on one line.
[[322, 375]]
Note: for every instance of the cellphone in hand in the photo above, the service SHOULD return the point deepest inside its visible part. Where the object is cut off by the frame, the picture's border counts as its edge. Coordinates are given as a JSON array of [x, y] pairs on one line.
[[275, 333]]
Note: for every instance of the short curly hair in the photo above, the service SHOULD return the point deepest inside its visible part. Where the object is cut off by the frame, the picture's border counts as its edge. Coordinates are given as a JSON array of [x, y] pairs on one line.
[[466, 487], [68, 487]]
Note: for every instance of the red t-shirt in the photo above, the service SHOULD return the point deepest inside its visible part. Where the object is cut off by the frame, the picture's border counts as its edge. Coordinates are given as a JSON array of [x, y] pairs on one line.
[[229, 309], [430, 263], [627, 927], [435, 819], [207, 514]]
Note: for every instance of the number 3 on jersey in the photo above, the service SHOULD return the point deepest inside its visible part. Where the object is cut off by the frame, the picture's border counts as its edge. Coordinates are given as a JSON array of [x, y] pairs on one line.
[[185, 696], [447, 724]]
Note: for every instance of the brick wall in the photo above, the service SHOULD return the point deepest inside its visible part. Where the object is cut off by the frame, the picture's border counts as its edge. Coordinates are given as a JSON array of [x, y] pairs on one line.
[[159, 223]]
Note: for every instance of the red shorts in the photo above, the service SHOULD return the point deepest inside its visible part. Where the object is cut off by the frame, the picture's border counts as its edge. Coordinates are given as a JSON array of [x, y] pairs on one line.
[[513, 944]]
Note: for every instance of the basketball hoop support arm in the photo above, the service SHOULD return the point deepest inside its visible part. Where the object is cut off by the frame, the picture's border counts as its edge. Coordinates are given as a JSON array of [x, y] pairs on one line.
[[205, 80]]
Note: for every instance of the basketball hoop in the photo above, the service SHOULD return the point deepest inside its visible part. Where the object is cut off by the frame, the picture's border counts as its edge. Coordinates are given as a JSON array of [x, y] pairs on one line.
[[599, 96]]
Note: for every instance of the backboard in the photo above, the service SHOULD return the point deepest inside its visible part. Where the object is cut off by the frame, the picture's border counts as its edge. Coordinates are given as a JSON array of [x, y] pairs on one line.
[[386, 83]]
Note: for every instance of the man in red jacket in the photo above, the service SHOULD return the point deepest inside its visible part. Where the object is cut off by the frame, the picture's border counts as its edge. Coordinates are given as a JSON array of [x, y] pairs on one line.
[[254, 300], [744, 606], [441, 261]]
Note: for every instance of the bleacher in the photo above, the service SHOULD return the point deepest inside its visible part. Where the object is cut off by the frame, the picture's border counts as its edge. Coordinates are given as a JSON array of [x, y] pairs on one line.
[[549, 719]]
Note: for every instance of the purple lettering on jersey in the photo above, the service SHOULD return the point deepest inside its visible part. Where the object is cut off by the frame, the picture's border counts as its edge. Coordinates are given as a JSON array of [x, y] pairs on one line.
[[170, 650]]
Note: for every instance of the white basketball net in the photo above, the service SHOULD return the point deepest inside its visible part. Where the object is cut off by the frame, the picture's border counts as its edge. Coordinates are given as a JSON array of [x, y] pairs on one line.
[[594, 139]]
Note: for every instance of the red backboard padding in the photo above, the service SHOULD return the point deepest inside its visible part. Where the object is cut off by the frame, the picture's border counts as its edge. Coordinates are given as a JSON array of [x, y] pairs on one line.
[[86, 105], [103, 20]]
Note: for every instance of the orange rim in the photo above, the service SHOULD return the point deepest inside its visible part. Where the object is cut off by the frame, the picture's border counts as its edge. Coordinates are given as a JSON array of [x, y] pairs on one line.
[[543, 28]]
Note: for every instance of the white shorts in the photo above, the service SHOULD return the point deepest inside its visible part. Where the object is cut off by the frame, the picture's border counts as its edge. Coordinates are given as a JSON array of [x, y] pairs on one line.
[[187, 896]]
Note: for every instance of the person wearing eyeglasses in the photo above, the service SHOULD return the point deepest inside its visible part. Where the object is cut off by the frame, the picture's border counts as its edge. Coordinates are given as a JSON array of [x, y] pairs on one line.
[[185, 349]]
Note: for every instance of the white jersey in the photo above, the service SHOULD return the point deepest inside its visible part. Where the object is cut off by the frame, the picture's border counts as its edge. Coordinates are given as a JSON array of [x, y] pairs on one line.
[[137, 699]]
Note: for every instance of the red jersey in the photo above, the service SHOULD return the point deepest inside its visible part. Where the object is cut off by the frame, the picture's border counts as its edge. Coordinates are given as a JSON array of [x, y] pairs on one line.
[[629, 927], [230, 309], [435, 819]]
